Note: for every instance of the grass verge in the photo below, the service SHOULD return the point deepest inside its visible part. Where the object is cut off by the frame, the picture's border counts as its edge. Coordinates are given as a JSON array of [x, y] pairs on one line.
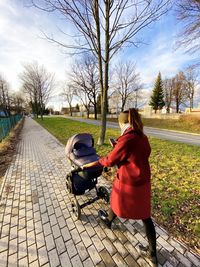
[[175, 178], [8, 147], [186, 123]]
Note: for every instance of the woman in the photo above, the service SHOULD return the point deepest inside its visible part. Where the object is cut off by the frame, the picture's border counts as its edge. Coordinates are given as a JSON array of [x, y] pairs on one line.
[[131, 191]]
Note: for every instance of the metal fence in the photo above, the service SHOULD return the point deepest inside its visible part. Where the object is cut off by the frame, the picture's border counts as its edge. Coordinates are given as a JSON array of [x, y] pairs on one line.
[[6, 124]]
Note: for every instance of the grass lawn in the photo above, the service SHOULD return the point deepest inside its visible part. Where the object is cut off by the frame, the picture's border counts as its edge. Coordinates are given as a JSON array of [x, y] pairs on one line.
[[175, 177]]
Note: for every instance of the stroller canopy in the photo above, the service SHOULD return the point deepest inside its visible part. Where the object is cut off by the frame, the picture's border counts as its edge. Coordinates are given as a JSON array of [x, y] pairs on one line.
[[82, 138]]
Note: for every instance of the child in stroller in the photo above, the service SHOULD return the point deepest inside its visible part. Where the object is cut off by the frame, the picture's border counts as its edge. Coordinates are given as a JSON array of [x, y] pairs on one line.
[[80, 151]]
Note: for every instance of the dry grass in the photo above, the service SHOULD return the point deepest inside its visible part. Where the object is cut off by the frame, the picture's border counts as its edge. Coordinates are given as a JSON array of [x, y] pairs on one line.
[[7, 148]]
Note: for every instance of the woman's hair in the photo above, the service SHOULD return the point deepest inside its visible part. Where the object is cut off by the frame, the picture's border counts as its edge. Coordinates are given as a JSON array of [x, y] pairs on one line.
[[135, 120]]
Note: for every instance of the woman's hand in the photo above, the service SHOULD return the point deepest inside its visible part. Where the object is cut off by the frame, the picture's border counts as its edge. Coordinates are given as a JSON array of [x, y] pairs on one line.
[[91, 164]]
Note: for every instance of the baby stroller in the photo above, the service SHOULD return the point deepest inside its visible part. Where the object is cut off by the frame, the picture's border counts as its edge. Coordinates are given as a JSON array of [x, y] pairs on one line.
[[80, 150]]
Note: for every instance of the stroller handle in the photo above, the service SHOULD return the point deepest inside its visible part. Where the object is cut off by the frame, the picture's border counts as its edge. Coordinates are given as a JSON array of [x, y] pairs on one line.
[[78, 169]]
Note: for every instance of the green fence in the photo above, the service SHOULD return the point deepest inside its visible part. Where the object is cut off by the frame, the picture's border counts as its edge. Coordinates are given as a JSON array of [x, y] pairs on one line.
[[6, 124]]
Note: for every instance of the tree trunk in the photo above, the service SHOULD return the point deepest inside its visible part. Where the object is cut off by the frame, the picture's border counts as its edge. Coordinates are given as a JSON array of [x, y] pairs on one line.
[[88, 113], [177, 106], [105, 87], [95, 111], [102, 131], [70, 110]]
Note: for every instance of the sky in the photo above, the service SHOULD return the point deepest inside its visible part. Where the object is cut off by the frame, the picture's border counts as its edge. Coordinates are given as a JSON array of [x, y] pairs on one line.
[[22, 42]]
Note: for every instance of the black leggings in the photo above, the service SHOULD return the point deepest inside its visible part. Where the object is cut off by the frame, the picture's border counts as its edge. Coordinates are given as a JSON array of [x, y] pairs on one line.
[[149, 229]]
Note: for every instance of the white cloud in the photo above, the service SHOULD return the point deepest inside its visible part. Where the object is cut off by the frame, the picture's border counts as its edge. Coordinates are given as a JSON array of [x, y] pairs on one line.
[[161, 56], [21, 42]]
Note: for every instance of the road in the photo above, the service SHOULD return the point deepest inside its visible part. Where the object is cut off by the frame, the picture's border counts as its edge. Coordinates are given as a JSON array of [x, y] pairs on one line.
[[182, 137]]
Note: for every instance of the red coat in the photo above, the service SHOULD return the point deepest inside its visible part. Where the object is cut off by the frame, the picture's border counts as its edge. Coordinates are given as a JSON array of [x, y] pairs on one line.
[[131, 191]]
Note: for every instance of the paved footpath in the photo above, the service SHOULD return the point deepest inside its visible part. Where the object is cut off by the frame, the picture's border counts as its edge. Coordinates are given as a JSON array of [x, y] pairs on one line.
[[36, 223]]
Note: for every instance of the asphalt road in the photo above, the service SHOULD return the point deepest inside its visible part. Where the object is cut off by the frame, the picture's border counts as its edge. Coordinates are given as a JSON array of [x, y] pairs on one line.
[[182, 137]]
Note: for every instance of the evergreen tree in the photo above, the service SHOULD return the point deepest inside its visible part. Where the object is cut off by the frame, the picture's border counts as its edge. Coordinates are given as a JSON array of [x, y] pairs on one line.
[[157, 98]]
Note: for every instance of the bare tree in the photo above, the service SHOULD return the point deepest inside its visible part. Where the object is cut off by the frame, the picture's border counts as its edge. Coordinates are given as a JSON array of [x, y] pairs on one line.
[[188, 12], [168, 90], [5, 96], [127, 82], [191, 76], [18, 102], [68, 94], [104, 27], [92, 80], [84, 77], [179, 90], [38, 85]]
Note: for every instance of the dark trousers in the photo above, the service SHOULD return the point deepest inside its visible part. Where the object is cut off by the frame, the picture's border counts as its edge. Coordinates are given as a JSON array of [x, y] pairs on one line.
[[149, 229]]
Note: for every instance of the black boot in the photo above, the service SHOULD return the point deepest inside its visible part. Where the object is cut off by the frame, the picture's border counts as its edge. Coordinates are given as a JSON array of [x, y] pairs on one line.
[[150, 255], [103, 215]]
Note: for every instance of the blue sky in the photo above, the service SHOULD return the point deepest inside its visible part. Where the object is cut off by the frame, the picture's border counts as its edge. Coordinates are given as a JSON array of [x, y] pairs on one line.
[[21, 42]]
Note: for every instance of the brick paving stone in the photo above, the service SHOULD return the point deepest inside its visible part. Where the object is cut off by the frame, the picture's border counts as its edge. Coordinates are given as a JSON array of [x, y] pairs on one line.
[[141, 239], [36, 224], [169, 257], [88, 263], [23, 262], [131, 249], [83, 253], [75, 236], [98, 243], [50, 244], [130, 261], [193, 258], [119, 261], [65, 234], [40, 240], [71, 249], [56, 231], [3, 258], [43, 256], [120, 236], [60, 245], [101, 264], [109, 246], [12, 261], [94, 254], [47, 229], [30, 225], [53, 258], [182, 258], [13, 247], [61, 222], [120, 248], [168, 264], [107, 259], [100, 232], [34, 264], [110, 234], [165, 244], [86, 239], [65, 260], [32, 253], [31, 238], [131, 238], [22, 250], [142, 262], [76, 261]]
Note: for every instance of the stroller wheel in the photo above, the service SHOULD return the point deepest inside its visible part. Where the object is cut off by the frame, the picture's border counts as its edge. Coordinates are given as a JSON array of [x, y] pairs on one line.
[[68, 184], [76, 209], [103, 193]]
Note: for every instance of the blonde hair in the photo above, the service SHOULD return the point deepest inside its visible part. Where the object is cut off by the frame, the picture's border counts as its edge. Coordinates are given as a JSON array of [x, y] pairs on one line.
[[135, 120], [133, 117]]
